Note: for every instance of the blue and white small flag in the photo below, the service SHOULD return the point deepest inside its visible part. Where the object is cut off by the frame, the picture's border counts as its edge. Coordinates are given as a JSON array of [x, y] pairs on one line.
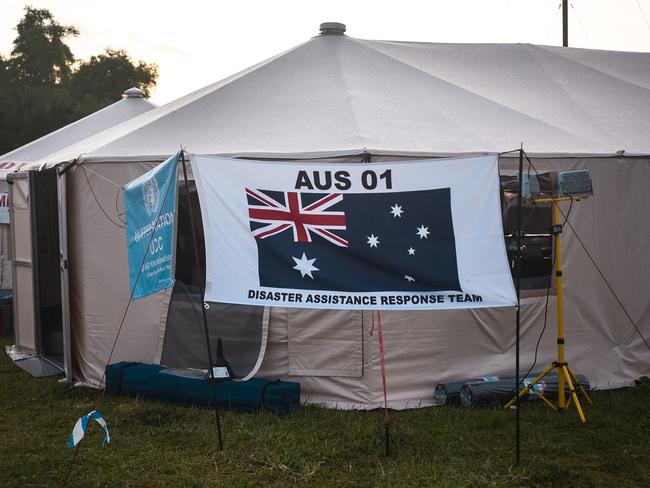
[[80, 427]]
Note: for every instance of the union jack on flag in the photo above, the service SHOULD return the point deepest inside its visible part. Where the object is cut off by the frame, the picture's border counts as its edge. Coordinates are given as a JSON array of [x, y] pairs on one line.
[[274, 212]]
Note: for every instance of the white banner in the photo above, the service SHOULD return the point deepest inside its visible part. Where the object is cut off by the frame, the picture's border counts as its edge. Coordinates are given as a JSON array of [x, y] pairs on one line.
[[389, 236]]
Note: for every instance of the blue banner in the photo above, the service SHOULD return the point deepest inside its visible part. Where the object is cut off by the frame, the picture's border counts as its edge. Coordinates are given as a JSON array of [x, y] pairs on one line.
[[150, 205]]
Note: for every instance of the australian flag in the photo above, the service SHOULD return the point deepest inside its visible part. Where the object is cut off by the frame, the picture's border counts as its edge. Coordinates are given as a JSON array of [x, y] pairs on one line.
[[355, 242]]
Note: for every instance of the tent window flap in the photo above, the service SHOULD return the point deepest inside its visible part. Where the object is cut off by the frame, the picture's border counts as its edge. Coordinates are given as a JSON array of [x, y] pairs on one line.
[[325, 343]]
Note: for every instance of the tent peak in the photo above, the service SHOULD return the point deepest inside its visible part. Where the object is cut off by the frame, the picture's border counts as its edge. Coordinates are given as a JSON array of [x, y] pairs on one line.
[[332, 29], [133, 92]]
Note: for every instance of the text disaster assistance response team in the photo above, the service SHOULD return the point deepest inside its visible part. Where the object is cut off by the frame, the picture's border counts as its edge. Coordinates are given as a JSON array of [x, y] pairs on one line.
[[358, 299]]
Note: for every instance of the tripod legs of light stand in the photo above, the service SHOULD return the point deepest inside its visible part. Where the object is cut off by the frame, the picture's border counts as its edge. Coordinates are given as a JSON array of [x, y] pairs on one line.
[[564, 373]]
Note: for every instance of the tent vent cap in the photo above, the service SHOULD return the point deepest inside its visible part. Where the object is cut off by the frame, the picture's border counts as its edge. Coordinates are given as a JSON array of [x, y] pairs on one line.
[[332, 29], [133, 93]]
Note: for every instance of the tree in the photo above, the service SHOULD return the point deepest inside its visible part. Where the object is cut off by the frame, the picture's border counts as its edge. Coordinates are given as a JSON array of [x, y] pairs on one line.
[[4, 102], [105, 76], [40, 56], [43, 87]]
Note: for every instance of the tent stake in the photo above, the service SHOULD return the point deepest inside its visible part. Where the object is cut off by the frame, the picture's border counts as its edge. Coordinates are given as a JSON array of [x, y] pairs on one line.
[[215, 401]]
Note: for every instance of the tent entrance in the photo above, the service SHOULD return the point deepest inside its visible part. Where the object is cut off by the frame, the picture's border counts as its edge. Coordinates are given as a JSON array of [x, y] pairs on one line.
[[39, 270], [242, 328], [47, 273]]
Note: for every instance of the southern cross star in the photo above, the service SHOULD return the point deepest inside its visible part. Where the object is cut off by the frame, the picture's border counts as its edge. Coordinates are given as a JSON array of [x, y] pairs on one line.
[[423, 232], [411, 251], [396, 210], [305, 266], [373, 240], [408, 278]]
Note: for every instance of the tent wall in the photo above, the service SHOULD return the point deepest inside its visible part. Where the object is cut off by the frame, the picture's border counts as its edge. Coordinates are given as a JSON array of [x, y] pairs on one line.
[[422, 348], [601, 342], [99, 279]]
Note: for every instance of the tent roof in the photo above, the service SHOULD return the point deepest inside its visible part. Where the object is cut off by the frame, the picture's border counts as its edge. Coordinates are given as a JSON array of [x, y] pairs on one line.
[[336, 95], [56, 143]]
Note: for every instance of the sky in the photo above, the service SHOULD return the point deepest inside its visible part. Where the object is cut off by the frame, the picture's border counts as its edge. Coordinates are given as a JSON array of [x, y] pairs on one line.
[[198, 42]]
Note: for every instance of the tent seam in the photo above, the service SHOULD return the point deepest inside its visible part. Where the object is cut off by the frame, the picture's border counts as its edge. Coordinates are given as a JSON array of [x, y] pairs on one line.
[[594, 122], [493, 102], [592, 68], [349, 98]]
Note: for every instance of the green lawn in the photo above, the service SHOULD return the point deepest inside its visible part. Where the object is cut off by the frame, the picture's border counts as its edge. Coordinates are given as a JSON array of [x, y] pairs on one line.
[[155, 444]]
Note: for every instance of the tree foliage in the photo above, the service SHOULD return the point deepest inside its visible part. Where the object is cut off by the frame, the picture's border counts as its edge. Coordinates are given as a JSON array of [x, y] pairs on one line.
[[43, 87], [105, 76], [40, 56]]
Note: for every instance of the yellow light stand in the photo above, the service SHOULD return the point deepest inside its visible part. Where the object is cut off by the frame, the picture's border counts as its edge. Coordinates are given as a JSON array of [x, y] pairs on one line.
[[564, 373]]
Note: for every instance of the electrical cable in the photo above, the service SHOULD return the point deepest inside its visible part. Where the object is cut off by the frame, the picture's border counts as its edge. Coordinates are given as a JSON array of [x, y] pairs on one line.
[[593, 261], [97, 201], [550, 31], [645, 19], [550, 280], [548, 292], [541, 335], [581, 26], [115, 184], [550, 277], [117, 210]]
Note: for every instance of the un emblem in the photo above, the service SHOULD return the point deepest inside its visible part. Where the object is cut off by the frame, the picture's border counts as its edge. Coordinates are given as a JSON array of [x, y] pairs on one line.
[[151, 194]]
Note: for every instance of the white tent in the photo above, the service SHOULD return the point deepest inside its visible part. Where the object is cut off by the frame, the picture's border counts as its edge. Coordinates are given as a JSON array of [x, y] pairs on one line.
[[336, 94], [50, 148], [53, 147], [349, 99]]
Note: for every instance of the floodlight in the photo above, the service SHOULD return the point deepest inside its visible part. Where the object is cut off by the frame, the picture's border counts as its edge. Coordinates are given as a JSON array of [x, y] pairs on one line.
[[575, 183], [530, 187]]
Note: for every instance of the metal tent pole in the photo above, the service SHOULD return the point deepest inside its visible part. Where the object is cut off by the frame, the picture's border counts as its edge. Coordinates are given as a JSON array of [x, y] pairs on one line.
[[190, 207], [565, 23], [518, 319]]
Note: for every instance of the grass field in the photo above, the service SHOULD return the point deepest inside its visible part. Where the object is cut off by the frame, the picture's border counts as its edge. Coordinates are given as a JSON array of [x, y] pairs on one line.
[[156, 444]]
